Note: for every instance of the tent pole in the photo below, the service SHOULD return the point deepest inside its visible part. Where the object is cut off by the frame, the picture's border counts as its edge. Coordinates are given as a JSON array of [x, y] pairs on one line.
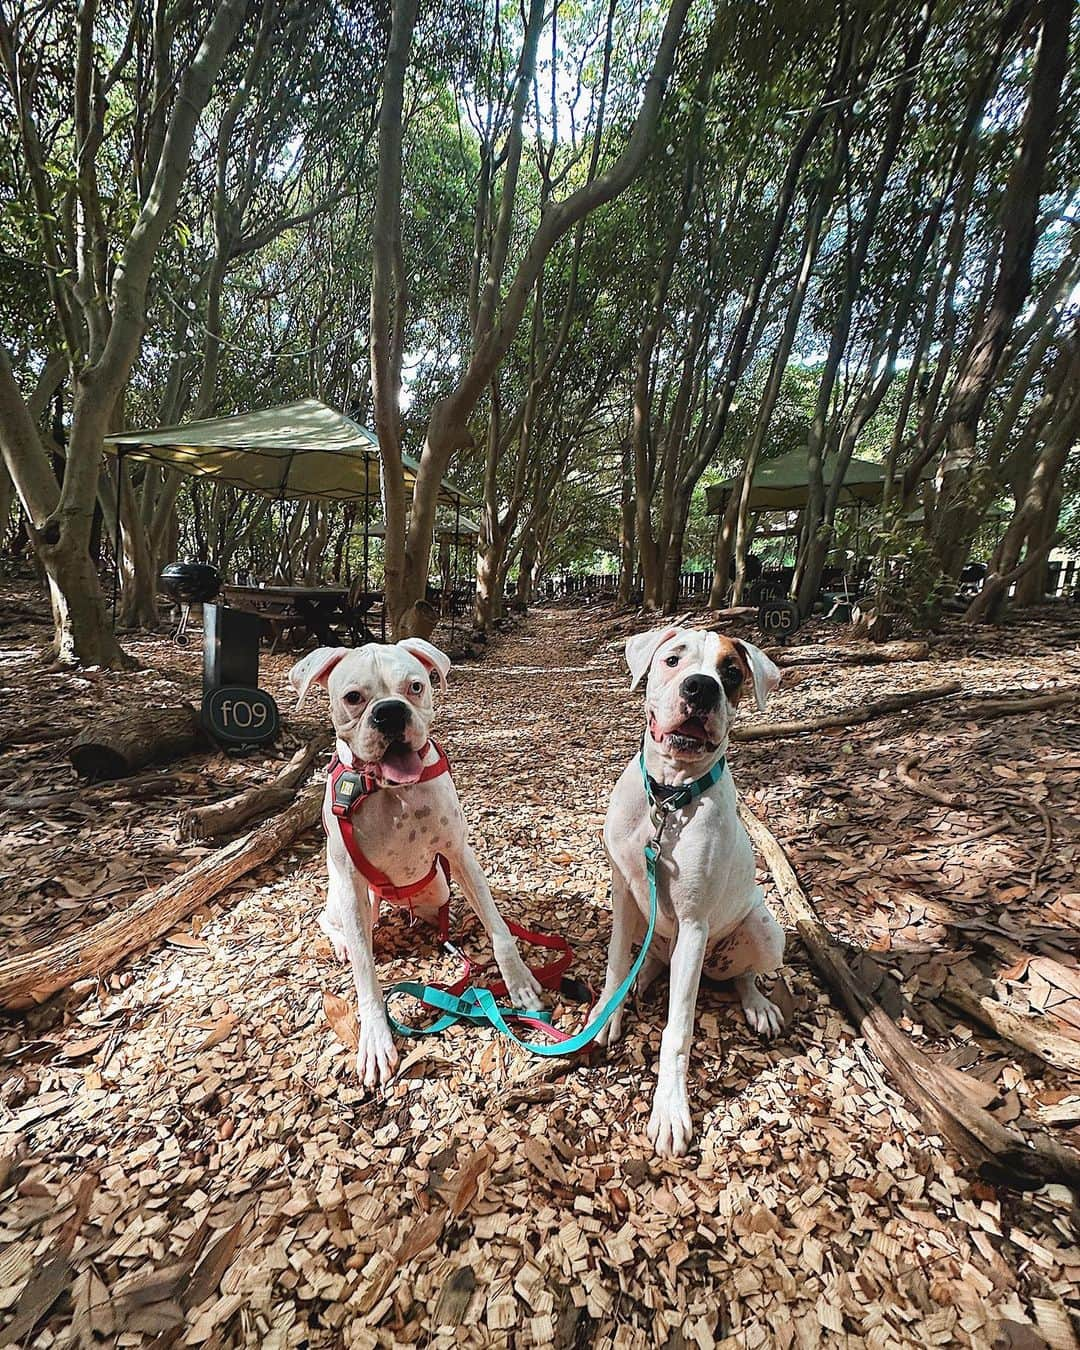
[[454, 568], [118, 542], [367, 530]]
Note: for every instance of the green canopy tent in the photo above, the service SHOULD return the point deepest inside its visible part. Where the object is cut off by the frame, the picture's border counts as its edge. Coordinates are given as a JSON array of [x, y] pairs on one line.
[[298, 450], [783, 484], [304, 450]]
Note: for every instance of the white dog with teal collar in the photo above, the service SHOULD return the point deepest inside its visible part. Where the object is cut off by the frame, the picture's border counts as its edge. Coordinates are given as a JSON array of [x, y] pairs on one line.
[[712, 914]]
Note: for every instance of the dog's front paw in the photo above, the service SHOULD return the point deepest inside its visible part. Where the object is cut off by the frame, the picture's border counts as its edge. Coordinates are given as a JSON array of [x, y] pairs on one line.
[[522, 986], [376, 1055], [670, 1130], [762, 1014]]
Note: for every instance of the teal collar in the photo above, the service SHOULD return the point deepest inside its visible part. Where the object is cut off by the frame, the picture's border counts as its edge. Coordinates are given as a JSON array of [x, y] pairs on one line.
[[664, 799]]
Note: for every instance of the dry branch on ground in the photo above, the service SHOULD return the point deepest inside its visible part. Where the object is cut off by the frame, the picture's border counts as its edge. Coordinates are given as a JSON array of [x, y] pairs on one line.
[[942, 1096], [225, 817], [885, 707], [31, 977]]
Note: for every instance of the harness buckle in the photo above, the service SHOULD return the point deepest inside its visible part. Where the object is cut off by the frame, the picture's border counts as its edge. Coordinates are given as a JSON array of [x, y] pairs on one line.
[[348, 790]]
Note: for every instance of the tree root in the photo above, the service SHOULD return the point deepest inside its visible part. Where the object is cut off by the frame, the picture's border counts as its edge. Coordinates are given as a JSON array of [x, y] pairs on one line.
[[905, 775]]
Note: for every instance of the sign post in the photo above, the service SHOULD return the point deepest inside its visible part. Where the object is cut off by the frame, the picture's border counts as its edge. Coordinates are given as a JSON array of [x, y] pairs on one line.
[[235, 711], [778, 619]]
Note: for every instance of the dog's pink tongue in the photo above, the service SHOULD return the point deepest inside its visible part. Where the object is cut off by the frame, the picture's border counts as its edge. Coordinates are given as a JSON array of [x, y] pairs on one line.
[[401, 764]]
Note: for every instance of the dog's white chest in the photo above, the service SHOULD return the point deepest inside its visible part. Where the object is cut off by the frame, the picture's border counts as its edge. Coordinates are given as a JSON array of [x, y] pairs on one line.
[[706, 865], [401, 832]]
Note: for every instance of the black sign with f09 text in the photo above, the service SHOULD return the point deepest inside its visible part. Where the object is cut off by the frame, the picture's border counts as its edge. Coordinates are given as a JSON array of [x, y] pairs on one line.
[[238, 716]]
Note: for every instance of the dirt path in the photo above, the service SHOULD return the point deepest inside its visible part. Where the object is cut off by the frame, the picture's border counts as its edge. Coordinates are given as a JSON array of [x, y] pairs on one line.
[[189, 1157]]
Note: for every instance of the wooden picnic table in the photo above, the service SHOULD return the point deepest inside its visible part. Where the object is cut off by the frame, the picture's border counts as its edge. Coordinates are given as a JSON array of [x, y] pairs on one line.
[[309, 610]]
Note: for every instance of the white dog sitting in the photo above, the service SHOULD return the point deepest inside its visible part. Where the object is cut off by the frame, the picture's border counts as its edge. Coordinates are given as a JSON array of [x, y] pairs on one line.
[[394, 828], [712, 914]]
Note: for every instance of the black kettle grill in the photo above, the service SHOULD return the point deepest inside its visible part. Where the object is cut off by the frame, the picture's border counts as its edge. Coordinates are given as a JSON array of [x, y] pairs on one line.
[[189, 584]]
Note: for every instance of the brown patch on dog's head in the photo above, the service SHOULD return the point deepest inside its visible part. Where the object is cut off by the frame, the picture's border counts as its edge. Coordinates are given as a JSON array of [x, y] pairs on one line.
[[733, 668]]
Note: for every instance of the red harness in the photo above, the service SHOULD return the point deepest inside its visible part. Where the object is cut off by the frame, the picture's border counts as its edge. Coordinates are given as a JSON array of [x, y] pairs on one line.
[[348, 791]]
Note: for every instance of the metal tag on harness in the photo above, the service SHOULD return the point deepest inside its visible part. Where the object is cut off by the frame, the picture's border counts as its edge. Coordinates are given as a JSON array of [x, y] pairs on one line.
[[348, 790]]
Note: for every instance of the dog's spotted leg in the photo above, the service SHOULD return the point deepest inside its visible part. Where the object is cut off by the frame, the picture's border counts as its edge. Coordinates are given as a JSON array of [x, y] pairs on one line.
[[376, 1055], [755, 947], [522, 986], [330, 923]]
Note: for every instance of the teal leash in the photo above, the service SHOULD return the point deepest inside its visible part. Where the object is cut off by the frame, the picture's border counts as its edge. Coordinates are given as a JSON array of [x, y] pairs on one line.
[[478, 1005]]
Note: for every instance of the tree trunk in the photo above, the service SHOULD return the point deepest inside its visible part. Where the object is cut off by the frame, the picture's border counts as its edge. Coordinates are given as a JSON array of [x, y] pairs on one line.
[[447, 428], [815, 530], [1029, 522], [738, 506], [679, 514], [526, 563], [138, 566], [7, 501], [488, 590], [627, 550], [62, 516], [1031, 587], [387, 314], [975, 379]]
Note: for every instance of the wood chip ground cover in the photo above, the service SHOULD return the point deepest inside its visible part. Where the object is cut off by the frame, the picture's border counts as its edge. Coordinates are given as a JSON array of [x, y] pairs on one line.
[[186, 1158]]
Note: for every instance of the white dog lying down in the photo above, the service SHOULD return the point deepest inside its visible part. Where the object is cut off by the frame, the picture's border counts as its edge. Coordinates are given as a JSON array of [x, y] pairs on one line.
[[410, 821], [711, 913]]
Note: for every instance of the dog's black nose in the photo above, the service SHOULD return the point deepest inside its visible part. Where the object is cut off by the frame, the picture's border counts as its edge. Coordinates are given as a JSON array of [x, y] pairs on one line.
[[390, 716], [700, 692]]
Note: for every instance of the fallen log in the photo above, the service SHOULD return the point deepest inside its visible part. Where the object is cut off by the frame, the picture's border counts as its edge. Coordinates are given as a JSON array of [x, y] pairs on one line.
[[1016, 707], [887, 654], [1030, 1033], [882, 707], [941, 1095], [116, 747], [230, 814], [31, 977]]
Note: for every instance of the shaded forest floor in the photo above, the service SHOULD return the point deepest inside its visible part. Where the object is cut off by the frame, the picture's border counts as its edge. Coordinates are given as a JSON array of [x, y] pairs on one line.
[[186, 1157]]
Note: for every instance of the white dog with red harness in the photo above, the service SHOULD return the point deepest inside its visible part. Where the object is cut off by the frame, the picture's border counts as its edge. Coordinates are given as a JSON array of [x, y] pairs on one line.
[[394, 827], [712, 914]]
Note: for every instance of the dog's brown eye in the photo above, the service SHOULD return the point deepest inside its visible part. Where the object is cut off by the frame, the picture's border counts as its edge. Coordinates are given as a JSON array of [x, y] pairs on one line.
[[731, 677], [672, 660], [353, 697], [417, 687]]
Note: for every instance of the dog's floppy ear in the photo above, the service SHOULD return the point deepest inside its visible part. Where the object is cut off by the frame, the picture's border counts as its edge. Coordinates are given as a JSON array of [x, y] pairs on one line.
[[315, 668], [428, 655], [764, 674], [640, 650]]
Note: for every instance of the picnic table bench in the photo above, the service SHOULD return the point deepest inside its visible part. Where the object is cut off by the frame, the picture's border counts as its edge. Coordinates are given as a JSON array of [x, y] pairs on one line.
[[298, 612]]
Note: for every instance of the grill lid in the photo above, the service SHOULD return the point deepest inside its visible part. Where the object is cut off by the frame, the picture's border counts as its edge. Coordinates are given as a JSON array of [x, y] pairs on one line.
[[191, 581]]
